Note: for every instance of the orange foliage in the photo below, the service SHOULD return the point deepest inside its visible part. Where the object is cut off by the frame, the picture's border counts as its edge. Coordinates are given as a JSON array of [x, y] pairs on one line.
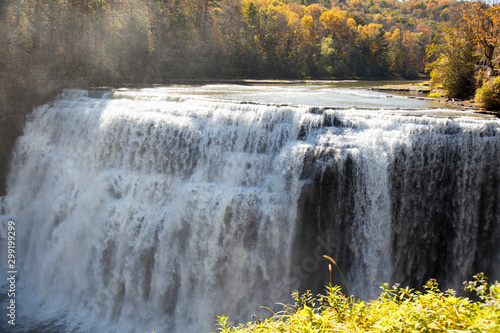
[[485, 24]]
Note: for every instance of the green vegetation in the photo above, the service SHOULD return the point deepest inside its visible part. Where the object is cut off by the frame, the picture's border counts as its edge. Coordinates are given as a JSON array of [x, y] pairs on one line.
[[395, 310], [435, 95], [474, 36], [488, 96]]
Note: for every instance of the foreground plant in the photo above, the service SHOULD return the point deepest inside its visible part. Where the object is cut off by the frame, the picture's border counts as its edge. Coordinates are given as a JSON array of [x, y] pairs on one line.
[[395, 310]]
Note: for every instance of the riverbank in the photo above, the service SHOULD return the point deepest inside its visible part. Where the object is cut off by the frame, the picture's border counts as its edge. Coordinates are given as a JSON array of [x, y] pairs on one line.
[[422, 88], [422, 91]]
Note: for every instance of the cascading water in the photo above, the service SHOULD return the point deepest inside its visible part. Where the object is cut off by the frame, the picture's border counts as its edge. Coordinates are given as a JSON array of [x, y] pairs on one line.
[[141, 211]]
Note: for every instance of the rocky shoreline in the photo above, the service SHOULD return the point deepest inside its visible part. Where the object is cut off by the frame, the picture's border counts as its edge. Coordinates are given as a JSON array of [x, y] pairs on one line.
[[404, 88], [423, 90]]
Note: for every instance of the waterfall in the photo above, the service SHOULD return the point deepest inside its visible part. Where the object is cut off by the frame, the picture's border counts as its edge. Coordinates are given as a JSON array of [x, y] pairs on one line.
[[159, 212]]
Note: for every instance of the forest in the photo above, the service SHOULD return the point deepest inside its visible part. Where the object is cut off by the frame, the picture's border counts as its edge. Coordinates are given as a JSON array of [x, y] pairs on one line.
[[111, 42]]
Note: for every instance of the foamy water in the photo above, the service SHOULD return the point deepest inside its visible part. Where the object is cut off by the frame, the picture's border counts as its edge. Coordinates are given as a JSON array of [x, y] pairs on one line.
[[160, 209]]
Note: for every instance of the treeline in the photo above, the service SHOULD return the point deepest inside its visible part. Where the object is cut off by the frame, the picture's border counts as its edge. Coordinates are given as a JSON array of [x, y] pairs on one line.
[[49, 44], [125, 41]]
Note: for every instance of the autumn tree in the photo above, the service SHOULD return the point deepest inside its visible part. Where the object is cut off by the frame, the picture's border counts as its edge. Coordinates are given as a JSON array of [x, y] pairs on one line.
[[340, 35], [373, 44], [484, 23], [397, 52]]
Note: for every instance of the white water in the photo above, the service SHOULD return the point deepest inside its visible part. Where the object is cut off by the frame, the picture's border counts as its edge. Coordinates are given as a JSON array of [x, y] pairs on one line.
[[160, 209]]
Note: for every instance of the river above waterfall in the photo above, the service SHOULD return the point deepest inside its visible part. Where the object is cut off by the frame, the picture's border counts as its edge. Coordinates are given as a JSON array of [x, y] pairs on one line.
[[339, 94], [160, 208]]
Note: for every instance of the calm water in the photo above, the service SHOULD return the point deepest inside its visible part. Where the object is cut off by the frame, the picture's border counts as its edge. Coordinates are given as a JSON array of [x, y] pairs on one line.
[[338, 94]]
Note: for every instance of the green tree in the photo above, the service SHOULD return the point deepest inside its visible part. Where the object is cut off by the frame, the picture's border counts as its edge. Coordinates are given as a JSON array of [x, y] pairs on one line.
[[455, 67]]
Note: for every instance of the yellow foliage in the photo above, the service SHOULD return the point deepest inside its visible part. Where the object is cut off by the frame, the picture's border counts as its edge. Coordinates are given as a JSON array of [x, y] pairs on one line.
[[333, 19], [438, 70], [396, 35], [309, 29], [290, 17], [374, 29], [484, 21], [300, 10], [396, 310], [314, 10], [351, 24]]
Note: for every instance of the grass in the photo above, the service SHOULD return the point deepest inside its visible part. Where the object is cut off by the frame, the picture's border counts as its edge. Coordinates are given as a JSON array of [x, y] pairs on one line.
[[395, 310]]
